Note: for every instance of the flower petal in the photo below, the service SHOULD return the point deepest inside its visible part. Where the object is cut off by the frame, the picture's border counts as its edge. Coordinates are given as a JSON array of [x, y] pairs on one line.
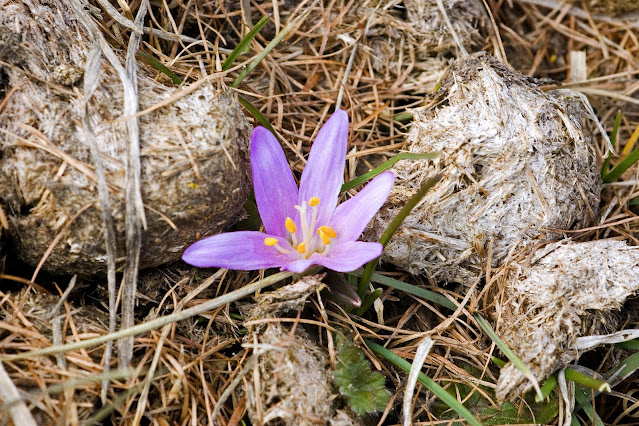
[[351, 217], [243, 250], [347, 257], [298, 266], [324, 172], [273, 182]]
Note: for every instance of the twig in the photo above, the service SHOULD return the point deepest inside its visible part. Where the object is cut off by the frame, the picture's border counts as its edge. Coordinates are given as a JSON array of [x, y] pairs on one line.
[[134, 210], [420, 356], [18, 410], [91, 78]]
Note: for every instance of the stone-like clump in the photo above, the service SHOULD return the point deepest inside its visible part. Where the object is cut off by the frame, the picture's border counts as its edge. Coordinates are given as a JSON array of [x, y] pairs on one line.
[[195, 172], [556, 295], [517, 166]]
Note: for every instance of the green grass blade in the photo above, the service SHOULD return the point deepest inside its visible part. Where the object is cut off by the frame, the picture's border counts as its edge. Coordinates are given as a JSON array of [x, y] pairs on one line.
[[547, 387], [630, 344], [243, 44], [409, 288], [276, 40], [587, 381], [508, 352], [258, 115], [393, 226], [404, 116], [429, 383], [626, 367], [387, 165], [621, 168], [155, 63], [613, 139], [500, 362], [581, 398]]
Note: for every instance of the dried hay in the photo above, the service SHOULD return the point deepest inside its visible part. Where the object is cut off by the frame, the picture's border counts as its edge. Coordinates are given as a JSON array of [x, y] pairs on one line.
[[31, 320], [611, 7], [517, 165], [195, 165]]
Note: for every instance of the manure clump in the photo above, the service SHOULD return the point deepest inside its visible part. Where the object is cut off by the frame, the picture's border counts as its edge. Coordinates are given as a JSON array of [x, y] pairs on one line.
[[195, 173], [518, 165], [556, 295]]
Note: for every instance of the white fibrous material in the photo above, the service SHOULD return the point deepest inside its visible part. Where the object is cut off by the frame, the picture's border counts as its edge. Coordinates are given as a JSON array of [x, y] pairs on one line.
[[555, 295], [517, 166]]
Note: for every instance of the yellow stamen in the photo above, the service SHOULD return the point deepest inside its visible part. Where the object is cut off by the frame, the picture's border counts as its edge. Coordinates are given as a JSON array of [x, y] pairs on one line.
[[290, 226], [270, 241], [325, 239], [301, 248], [327, 230], [314, 201]]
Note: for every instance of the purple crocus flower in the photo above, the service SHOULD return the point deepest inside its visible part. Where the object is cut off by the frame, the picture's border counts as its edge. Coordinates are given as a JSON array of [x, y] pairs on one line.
[[304, 227]]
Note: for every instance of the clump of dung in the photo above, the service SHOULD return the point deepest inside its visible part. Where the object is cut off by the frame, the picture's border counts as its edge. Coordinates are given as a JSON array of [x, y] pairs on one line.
[[401, 40], [556, 295], [610, 7], [294, 376], [195, 171], [517, 166], [416, 32]]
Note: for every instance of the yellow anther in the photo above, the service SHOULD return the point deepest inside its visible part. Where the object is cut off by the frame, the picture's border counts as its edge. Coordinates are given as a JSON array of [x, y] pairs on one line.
[[330, 232], [270, 241], [301, 248], [313, 201], [290, 226], [325, 239]]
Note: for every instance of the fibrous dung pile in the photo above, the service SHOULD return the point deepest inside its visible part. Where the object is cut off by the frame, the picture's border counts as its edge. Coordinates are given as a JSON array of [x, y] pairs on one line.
[[517, 166], [194, 150], [557, 294], [291, 383]]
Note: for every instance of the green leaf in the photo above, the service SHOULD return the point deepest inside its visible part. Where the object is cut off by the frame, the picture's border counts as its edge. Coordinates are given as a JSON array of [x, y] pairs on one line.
[[363, 388], [243, 44], [387, 165], [155, 63], [509, 413]]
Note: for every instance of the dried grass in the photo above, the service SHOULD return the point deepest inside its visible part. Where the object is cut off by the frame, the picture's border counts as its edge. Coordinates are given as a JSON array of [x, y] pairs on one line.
[[295, 88]]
